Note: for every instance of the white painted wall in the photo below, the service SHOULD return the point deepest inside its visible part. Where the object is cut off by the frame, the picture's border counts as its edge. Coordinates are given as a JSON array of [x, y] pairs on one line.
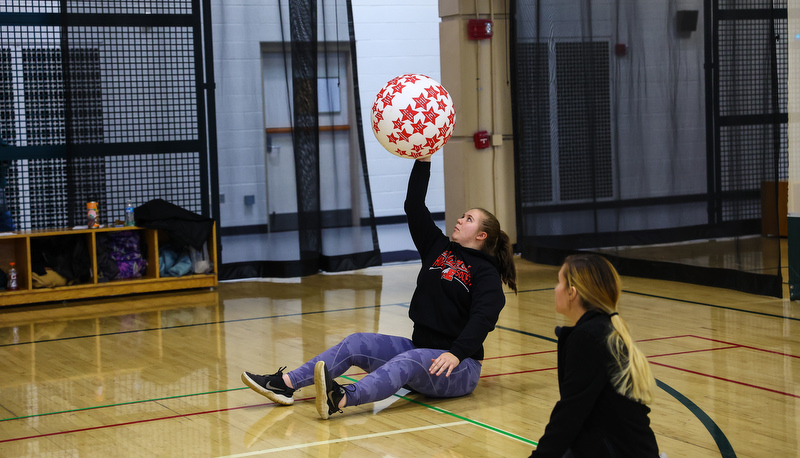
[[392, 38]]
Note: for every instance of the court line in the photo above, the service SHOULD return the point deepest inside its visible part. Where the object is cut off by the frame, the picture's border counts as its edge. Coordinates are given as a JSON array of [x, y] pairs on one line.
[[736, 382], [136, 422], [711, 305], [124, 404], [347, 439], [208, 323], [723, 444], [474, 422], [464, 420], [745, 346]]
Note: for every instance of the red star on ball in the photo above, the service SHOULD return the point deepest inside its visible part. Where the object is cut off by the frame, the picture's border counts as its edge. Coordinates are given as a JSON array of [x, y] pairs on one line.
[[430, 115], [419, 127], [412, 79], [408, 113], [421, 101], [392, 138], [432, 93], [404, 135], [398, 124], [442, 91], [398, 87], [430, 142]]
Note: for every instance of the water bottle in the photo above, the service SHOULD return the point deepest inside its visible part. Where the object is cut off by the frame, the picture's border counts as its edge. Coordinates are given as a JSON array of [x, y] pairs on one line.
[[13, 284], [129, 214]]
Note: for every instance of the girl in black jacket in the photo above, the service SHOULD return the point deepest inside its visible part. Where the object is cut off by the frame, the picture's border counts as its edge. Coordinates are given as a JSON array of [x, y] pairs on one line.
[[604, 380], [456, 303]]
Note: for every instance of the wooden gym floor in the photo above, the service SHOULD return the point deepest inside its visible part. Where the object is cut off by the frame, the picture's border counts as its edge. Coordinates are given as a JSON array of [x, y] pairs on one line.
[[158, 375]]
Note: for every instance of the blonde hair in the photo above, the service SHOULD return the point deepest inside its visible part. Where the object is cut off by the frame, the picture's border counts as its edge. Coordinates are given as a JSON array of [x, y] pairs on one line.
[[599, 288]]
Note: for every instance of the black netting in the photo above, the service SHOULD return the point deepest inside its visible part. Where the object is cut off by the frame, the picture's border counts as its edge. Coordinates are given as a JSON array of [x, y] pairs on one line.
[[633, 131], [117, 115], [534, 129], [305, 136], [584, 134]]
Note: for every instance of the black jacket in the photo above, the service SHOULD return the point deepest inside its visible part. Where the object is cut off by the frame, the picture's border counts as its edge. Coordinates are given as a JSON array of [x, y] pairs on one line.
[[591, 419], [183, 226], [459, 294]]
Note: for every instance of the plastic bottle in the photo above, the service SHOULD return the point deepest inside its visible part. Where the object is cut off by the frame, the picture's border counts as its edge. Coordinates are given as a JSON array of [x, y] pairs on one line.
[[13, 284], [129, 214], [92, 215]]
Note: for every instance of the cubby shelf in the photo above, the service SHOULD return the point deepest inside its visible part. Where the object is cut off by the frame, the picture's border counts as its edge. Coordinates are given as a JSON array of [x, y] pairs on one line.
[[16, 247]]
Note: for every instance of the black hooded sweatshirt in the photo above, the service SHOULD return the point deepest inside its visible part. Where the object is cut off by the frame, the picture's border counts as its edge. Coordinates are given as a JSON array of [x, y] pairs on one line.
[[591, 419], [459, 293]]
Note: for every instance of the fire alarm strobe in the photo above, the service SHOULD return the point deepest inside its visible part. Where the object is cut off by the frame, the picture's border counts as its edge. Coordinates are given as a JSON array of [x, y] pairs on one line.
[[479, 29]]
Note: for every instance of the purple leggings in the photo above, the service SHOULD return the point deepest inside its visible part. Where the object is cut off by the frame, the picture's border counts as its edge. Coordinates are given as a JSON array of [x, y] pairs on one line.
[[392, 363]]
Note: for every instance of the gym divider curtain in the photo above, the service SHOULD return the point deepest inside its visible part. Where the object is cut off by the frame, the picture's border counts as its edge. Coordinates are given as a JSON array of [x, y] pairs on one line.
[[654, 135]]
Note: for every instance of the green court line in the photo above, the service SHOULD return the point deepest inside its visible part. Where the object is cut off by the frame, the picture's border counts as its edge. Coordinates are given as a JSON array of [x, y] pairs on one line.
[[474, 422], [121, 404]]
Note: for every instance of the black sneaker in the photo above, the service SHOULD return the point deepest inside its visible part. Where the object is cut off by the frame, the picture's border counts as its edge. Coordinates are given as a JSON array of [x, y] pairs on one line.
[[329, 393], [271, 386]]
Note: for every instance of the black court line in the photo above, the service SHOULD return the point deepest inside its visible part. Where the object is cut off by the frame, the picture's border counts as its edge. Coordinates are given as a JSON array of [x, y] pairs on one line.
[[208, 323], [712, 305]]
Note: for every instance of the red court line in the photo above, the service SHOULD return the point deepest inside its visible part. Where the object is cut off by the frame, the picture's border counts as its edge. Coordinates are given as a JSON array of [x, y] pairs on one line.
[[747, 346], [94, 428], [694, 351], [728, 380], [521, 354], [520, 372], [664, 338]]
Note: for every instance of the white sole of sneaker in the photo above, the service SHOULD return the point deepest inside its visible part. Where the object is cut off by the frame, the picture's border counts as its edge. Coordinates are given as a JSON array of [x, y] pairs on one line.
[[272, 396], [322, 390]]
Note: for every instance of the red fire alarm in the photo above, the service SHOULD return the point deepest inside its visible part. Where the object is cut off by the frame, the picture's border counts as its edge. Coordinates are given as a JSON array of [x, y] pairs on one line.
[[479, 29], [481, 139], [620, 49]]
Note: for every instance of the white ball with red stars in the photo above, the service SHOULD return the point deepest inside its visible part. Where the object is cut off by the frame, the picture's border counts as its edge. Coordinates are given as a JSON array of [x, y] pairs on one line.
[[413, 116]]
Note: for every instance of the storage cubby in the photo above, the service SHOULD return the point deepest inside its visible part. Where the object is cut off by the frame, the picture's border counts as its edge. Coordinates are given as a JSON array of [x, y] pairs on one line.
[[16, 247]]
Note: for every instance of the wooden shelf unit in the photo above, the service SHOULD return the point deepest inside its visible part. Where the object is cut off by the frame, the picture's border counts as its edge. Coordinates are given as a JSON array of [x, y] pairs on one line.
[[16, 247]]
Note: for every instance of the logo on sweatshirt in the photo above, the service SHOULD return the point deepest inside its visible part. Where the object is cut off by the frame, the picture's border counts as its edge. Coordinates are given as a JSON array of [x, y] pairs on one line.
[[453, 268]]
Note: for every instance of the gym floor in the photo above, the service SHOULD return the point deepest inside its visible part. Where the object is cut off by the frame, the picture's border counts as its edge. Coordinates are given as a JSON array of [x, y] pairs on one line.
[[159, 374]]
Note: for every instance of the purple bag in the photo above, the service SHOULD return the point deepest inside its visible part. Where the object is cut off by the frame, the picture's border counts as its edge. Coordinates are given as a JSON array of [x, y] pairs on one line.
[[126, 251]]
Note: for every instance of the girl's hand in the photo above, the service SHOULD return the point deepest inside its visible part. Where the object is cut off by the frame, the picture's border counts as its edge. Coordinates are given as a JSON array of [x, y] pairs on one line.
[[445, 362], [425, 159]]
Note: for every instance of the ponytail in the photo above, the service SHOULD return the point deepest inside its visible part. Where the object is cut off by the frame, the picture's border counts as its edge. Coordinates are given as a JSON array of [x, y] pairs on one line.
[[632, 377], [599, 287], [498, 245], [505, 260]]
